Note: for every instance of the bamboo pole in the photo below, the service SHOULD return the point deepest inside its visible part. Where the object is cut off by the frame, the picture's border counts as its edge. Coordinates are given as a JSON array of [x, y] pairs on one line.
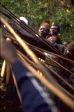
[[3, 68], [25, 47], [66, 99], [50, 86], [50, 69], [15, 83], [7, 72]]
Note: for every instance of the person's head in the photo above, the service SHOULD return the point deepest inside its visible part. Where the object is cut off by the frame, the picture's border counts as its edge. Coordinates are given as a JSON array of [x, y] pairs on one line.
[[54, 29], [69, 51], [44, 29]]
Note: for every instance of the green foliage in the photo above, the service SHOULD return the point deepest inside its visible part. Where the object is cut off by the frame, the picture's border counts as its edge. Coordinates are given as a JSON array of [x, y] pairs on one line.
[[64, 18], [59, 11]]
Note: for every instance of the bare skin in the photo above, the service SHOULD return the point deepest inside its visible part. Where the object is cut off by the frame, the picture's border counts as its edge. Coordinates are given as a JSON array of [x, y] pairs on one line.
[[7, 50]]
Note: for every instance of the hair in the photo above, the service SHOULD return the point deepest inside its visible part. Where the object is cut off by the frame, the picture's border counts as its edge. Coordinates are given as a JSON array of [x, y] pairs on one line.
[[46, 23], [58, 27], [69, 51]]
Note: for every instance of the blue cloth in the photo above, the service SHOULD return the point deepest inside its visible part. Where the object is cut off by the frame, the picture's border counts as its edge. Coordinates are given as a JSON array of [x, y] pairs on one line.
[[34, 96]]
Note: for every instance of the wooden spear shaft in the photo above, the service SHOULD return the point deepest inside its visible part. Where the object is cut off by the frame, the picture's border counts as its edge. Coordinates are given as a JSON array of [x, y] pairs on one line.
[[3, 68], [25, 47], [66, 99], [51, 87]]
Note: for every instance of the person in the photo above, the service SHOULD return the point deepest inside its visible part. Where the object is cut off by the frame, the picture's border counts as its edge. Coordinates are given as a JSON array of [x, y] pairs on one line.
[[51, 36], [54, 39], [34, 97], [54, 31], [68, 52], [43, 30]]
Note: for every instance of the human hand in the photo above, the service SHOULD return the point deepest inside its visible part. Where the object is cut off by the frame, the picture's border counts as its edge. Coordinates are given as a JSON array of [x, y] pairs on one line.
[[7, 50]]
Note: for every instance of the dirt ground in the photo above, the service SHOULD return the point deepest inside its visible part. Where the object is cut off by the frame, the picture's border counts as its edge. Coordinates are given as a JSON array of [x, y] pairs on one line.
[[9, 101]]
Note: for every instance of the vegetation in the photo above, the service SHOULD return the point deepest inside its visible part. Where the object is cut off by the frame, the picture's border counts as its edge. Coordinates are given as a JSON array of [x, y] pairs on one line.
[[59, 11]]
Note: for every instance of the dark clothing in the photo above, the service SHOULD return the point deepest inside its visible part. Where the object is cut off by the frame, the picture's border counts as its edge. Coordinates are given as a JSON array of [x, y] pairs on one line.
[[34, 96], [53, 39]]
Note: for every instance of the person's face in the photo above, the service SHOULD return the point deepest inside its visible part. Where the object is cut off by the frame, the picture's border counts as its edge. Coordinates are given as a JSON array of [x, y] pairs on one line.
[[69, 53], [53, 30], [43, 31]]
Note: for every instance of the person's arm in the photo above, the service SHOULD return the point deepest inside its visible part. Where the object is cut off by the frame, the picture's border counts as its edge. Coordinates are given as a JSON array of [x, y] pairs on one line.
[[34, 97]]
